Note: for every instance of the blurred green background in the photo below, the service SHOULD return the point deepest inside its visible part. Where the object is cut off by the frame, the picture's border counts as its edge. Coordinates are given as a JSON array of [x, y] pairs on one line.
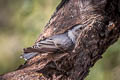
[[21, 22]]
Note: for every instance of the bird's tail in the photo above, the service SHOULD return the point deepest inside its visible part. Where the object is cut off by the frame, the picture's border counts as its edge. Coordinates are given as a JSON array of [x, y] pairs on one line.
[[44, 47], [31, 52], [28, 56]]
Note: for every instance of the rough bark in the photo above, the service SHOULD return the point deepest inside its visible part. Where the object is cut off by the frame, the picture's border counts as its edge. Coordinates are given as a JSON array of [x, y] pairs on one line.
[[93, 41]]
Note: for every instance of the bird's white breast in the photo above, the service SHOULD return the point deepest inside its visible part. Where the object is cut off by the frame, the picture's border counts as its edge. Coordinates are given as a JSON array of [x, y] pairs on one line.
[[73, 33]]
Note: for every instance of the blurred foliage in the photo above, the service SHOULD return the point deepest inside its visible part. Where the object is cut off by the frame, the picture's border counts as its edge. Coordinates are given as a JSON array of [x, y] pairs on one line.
[[21, 22]]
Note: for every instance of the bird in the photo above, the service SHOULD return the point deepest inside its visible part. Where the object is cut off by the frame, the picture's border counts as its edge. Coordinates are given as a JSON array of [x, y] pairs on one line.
[[63, 42]]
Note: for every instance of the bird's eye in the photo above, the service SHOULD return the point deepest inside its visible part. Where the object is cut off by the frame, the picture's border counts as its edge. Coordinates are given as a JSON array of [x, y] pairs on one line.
[[80, 27]]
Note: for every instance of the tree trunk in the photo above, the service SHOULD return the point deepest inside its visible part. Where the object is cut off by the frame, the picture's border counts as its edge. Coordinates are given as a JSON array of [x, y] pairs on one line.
[[92, 42]]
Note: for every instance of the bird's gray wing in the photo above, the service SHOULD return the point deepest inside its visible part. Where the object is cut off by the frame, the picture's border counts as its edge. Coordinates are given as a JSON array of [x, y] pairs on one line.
[[57, 43]]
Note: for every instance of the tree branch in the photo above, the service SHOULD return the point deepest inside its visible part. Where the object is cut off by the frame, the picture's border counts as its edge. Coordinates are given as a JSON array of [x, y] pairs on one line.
[[93, 40]]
